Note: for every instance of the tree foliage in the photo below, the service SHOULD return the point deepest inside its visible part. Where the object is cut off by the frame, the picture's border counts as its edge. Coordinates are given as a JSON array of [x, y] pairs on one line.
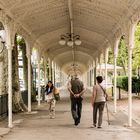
[[18, 104], [22, 49], [136, 50], [122, 59]]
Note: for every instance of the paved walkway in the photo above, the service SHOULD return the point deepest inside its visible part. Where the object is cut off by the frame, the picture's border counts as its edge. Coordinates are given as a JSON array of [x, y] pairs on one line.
[[38, 126]]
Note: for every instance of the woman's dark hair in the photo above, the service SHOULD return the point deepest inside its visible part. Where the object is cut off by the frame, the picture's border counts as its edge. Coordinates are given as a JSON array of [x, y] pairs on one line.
[[50, 82], [51, 88], [99, 79]]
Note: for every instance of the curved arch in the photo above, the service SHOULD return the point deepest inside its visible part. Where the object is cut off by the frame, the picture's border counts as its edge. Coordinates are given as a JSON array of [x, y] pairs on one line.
[[66, 56], [68, 68], [50, 37], [86, 47]]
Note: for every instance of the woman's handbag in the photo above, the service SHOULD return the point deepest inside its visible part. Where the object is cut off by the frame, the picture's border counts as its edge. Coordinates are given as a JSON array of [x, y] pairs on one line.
[[48, 97], [56, 94]]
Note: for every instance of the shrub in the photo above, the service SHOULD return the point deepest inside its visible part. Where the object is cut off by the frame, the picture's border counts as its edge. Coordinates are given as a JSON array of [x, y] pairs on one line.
[[122, 82]]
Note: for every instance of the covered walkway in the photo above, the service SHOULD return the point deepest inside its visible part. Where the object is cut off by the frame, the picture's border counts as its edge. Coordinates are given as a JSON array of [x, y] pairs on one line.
[[40, 126], [70, 37]]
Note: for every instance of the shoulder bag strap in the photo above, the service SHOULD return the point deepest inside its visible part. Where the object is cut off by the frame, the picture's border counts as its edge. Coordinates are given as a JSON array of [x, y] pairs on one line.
[[103, 91]]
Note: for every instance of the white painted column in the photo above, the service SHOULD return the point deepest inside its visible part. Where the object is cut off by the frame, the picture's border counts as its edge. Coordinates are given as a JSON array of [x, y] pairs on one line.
[[59, 76], [61, 79], [115, 74], [92, 75], [130, 87], [52, 71], [130, 48], [45, 72], [99, 60], [10, 125], [39, 90], [84, 79], [95, 70], [87, 78], [89, 75], [55, 73], [93, 63], [29, 81], [106, 59]]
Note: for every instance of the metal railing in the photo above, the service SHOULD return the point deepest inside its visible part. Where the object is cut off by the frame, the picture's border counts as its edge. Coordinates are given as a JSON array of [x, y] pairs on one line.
[[3, 105]]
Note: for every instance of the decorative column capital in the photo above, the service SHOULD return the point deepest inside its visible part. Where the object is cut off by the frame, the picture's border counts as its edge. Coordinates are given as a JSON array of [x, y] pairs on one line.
[[106, 54], [116, 45]]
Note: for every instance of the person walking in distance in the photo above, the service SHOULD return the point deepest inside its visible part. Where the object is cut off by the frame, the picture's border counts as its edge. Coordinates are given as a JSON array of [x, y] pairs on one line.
[[76, 89], [49, 97], [98, 101]]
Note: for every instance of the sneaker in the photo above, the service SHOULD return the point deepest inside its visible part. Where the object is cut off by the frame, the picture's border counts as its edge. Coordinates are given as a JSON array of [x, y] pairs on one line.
[[93, 126], [52, 117], [99, 127], [77, 122]]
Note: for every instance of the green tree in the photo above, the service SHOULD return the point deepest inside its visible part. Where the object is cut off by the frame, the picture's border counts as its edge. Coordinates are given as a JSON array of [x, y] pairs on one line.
[[136, 50], [22, 48], [18, 104], [122, 59], [22, 45]]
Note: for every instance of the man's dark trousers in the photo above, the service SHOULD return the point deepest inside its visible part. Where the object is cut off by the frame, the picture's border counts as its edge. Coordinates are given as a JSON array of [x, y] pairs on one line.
[[76, 109]]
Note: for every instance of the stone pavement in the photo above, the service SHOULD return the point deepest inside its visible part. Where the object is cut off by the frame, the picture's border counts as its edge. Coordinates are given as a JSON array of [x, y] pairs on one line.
[[38, 126], [123, 105], [4, 131], [3, 127]]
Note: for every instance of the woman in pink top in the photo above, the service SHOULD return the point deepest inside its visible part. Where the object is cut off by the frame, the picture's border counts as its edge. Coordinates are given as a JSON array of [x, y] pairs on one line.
[[98, 101]]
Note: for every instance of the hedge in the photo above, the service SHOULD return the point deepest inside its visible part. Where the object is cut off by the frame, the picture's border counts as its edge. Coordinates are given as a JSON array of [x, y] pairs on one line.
[[122, 82]]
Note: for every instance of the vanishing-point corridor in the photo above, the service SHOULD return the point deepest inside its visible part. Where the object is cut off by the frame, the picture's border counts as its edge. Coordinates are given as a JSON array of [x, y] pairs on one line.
[[63, 38]]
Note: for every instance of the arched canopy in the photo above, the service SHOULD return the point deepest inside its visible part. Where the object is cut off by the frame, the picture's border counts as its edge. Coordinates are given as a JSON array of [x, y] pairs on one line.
[[96, 21]]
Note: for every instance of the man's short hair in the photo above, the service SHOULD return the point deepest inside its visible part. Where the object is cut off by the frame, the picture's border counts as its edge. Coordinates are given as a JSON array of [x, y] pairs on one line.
[[99, 79]]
